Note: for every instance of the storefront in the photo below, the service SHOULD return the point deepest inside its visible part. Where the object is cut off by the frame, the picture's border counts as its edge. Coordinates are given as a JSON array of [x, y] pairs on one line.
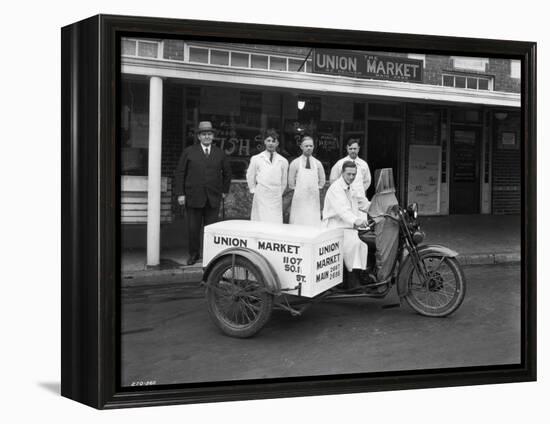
[[454, 150]]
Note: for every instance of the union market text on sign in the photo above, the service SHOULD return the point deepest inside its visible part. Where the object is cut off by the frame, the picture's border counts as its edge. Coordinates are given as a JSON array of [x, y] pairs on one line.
[[337, 62]]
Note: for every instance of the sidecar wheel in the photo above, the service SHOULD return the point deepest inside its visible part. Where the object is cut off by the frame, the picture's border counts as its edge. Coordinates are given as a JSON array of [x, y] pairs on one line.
[[441, 291], [238, 300]]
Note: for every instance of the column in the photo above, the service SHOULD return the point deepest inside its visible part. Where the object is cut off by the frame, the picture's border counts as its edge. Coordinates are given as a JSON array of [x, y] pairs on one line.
[[154, 171]]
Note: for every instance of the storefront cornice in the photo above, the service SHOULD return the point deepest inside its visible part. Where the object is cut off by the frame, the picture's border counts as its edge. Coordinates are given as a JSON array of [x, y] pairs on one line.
[[316, 82]]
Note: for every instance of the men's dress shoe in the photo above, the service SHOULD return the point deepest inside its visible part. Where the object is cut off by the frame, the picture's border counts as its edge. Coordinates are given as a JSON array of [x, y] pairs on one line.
[[192, 259]]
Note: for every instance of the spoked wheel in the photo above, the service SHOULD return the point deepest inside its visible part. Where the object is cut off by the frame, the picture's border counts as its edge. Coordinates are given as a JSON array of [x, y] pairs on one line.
[[238, 299], [440, 291]]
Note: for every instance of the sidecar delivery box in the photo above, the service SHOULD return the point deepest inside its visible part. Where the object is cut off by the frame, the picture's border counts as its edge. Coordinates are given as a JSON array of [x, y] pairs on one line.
[[307, 260]]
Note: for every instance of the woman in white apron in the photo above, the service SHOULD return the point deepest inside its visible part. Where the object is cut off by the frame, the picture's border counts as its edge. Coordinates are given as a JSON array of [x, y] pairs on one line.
[[267, 179]]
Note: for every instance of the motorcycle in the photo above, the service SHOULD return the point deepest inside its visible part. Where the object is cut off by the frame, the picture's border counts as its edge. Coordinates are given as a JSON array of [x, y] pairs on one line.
[[428, 277], [269, 266]]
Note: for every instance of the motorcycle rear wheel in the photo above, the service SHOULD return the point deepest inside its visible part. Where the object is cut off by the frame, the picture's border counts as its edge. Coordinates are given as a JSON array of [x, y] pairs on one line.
[[441, 291]]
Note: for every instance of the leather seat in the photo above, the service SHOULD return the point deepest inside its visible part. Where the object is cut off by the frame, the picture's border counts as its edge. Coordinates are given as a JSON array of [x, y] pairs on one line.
[[368, 236]]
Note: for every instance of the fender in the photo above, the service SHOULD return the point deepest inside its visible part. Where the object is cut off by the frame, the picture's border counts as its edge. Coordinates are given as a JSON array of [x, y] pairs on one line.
[[265, 268], [407, 266]]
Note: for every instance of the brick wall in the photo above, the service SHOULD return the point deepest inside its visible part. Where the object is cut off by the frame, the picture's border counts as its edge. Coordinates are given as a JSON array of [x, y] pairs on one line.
[[506, 182], [500, 68], [435, 65]]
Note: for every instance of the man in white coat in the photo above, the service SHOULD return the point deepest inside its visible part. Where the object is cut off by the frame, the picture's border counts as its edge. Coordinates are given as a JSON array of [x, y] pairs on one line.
[[267, 179], [342, 210], [306, 177], [362, 180]]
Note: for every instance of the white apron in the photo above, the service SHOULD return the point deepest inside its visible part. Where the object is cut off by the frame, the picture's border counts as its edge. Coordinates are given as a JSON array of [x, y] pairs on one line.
[[306, 206], [267, 204]]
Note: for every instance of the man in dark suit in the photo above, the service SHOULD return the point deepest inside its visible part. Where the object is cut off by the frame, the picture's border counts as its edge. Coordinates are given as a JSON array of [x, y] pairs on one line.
[[203, 177]]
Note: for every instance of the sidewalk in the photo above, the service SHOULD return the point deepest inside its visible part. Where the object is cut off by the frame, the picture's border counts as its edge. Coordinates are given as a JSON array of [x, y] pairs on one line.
[[478, 239]]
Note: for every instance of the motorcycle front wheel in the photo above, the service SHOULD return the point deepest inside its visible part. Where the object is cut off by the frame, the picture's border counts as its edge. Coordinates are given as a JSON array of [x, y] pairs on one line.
[[441, 288]]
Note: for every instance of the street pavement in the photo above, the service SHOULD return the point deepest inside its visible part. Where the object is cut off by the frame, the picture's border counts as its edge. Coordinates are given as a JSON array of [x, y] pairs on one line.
[[168, 336]]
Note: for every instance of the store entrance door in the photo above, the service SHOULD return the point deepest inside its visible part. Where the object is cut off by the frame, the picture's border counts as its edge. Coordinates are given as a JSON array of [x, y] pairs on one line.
[[465, 158], [383, 149]]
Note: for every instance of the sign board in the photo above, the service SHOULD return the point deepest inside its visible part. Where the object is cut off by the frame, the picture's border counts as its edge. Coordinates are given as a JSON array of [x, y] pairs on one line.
[[358, 65], [424, 178], [307, 257]]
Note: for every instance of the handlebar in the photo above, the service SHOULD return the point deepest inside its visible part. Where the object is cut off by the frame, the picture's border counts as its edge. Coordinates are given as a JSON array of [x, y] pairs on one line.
[[382, 215]]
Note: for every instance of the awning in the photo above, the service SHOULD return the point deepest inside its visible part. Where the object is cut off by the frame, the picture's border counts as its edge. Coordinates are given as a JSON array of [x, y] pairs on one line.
[[316, 82]]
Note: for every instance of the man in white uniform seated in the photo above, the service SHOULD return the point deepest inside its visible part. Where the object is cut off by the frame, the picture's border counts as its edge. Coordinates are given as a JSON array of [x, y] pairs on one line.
[[342, 210], [363, 178]]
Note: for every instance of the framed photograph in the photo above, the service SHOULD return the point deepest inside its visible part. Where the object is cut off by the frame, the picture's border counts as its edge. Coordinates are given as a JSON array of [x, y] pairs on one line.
[[255, 211]]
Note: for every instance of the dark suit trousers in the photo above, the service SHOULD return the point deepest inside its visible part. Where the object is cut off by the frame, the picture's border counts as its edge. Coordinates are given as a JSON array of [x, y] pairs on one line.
[[196, 218]]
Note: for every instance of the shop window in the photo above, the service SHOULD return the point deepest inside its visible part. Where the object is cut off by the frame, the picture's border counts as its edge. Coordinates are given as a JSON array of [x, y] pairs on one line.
[[239, 59], [173, 49], [448, 81], [472, 82], [134, 127], [277, 63], [426, 128], [146, 49], [295, 65], [198, 55], [129, 47], [251, 108], [242, 59], [483, 84], [192, 104], [259, 61], [141, 48], [219, 57]]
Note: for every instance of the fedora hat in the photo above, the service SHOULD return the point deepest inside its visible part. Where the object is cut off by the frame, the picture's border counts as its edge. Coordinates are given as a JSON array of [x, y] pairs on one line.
[[204, 126]]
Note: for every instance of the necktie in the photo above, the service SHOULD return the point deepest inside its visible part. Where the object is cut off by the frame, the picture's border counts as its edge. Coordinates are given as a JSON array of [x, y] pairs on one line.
[[348, 193], [308, 165], [271, 157], [207, 152]]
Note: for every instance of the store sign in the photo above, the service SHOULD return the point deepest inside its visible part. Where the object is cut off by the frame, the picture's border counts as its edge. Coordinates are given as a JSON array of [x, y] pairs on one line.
[[349, 64]]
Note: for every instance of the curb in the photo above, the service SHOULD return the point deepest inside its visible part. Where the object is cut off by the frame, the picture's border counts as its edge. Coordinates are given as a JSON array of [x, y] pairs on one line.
[[193, 274], [489, 258], [185, 275]]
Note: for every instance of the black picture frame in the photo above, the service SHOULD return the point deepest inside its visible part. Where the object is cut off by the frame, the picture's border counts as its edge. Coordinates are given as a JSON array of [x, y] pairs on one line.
[[90, 211]]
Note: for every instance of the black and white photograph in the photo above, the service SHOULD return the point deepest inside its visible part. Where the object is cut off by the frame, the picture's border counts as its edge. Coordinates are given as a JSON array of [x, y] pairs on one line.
[[241, 211], [295, 211]]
